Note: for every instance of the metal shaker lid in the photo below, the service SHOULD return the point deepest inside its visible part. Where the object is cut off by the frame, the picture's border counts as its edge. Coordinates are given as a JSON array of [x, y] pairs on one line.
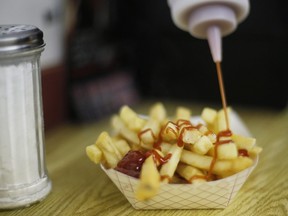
[[18, 38]]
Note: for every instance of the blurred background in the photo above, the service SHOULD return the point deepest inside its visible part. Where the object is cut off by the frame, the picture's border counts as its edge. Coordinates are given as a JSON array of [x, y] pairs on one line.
[[101, 54]]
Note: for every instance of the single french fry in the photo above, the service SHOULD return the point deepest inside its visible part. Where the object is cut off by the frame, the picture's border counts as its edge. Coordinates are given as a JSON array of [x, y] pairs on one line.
[[191, 174], [183, 113], [136, 147], [209, 115], [131, 119], [110, 160], [123, 130], [168, 169], [147, 139], [196, 160], [170, 132], [203, 145], [122, 146], [212, 137], [149, 180], [190, 136], [205, 131], [221, 167], [243, 142], [254, 151], [221, 120], [158, 112], [154, 125], [227, 151], [94, 153], [165, 147]]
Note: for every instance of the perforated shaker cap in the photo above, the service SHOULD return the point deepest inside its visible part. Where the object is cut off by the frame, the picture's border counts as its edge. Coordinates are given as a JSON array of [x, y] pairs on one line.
[[19, 38]]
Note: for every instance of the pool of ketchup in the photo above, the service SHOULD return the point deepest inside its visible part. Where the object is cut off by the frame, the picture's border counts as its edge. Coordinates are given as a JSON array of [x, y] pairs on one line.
[[131, 163]]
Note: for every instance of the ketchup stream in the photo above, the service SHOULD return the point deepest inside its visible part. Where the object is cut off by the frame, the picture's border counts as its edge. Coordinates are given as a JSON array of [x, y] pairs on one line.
[[222, 92]]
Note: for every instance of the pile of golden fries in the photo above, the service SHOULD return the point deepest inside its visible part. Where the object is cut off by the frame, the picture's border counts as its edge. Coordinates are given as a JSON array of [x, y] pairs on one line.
[[177, 151]]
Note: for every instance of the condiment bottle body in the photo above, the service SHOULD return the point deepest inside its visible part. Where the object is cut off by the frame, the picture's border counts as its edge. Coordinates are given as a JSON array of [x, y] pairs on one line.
[[209, 19]]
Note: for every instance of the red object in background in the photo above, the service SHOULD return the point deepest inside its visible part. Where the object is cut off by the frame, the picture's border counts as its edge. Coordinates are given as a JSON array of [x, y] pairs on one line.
[[54, 95]]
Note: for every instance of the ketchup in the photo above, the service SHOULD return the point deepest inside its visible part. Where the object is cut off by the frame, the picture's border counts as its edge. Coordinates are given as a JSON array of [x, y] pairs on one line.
[[222, 91], [145, 131], [243, 153], [158, 159], [131, 163]]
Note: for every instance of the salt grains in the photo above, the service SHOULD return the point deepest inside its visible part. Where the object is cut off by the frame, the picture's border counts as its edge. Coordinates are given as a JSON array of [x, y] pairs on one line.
[[18, 128]]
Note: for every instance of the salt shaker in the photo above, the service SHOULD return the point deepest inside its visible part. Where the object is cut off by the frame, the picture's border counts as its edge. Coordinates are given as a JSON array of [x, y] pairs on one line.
[[23, 175]]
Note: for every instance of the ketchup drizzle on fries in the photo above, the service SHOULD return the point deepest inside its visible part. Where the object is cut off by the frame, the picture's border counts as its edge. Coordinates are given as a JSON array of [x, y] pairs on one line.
[[226, 133], [183, 125], [180, 124], [158, 159], [145, 131]]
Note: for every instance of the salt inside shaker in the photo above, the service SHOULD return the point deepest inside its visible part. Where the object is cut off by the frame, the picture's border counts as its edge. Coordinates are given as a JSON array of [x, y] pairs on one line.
[[23, 175]]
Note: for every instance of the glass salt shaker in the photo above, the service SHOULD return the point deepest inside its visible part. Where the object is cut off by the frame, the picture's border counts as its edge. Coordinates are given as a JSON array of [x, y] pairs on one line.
[[23, 175]]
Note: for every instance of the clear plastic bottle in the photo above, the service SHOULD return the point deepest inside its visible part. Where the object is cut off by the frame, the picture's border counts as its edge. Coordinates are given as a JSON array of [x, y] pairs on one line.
[[209, 19], [23, 175]]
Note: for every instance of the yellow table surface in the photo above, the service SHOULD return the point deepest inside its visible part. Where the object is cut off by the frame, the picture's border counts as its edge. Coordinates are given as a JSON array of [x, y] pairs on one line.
[[81, 187]]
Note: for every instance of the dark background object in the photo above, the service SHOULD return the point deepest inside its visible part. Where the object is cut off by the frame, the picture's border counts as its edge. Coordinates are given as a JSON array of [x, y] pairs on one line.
[[98, 84], [170, 63]]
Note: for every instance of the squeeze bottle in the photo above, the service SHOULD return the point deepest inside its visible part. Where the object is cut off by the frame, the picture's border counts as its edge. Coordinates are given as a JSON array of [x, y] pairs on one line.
[[209, 19]]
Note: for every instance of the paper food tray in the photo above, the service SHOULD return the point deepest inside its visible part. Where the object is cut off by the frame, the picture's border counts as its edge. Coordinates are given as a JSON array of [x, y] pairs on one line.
[[214, 194]]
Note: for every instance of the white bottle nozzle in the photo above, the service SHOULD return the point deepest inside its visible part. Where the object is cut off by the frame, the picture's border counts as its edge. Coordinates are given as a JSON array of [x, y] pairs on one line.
[[215, 42]]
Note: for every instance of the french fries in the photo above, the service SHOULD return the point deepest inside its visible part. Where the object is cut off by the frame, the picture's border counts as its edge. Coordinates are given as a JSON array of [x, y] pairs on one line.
[[149, 133], [150, 180], [168, 169], [183, 113], [173, 150], [203, 145], [131, 119], [158, 113], [120, 128], [221, 167], [190, 173], [110, 152]]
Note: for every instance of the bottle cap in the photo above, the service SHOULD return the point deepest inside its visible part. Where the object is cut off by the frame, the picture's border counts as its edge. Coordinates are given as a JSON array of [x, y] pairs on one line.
[[181, 9], [18, 38], [211, 15], [212, 22]]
